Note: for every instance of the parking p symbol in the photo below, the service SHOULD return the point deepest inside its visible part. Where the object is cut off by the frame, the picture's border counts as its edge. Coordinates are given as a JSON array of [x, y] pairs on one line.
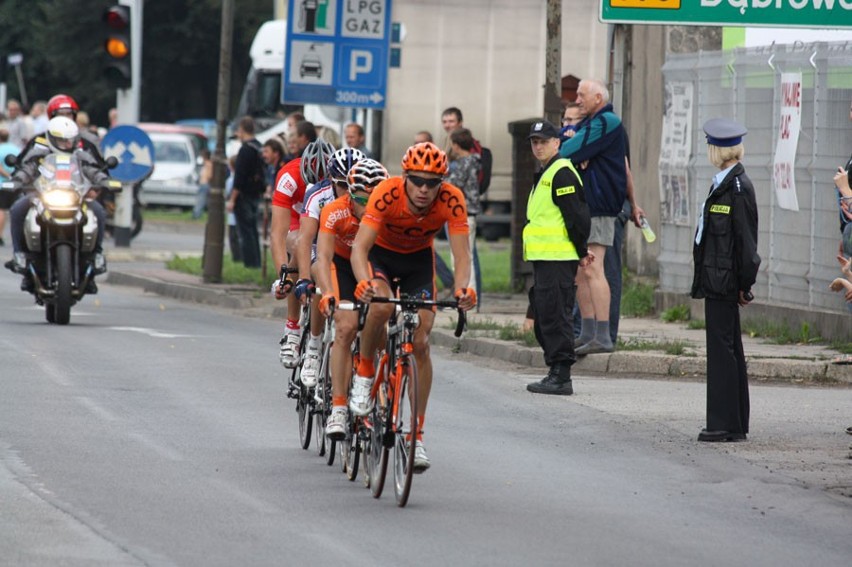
[[361, 61]]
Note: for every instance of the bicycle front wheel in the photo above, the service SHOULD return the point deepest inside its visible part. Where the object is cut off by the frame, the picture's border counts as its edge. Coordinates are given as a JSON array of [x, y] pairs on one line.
[[325, 446], [305, 401], [405, 429], [379, 450]]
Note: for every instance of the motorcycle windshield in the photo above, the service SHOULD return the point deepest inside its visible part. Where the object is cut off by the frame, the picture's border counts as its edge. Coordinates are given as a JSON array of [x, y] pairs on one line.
[[61, 171]]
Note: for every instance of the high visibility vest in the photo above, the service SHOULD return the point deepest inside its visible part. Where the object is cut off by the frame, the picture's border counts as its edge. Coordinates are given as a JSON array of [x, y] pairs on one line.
[[545, 236]]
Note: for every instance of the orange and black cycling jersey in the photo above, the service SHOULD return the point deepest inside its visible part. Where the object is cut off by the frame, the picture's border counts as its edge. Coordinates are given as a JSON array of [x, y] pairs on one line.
[[401, 230], [336, 218]]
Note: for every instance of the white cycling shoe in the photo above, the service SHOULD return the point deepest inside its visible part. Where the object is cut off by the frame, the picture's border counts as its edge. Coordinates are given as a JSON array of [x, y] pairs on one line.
[[360, 403], [289, 353], [421, 459], [310, 368], [335, 429]]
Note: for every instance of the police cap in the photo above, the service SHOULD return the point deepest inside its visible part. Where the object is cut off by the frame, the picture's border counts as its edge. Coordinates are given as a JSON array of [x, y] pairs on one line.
[[723, 132], [543, 129]]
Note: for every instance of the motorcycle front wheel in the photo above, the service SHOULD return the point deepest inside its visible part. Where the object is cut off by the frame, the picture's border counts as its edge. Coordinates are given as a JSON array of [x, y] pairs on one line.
[[64, 277]]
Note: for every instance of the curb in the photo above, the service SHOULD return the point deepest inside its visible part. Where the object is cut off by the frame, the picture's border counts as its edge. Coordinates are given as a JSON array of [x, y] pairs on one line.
[[633, 363], [183, 292], [645, 363]]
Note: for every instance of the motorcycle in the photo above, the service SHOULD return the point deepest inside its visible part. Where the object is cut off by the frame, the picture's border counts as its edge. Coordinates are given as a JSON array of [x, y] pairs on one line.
[[60, 233]]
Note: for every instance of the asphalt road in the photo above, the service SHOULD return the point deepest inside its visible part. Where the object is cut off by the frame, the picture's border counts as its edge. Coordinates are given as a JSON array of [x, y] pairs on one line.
[[154, 432]]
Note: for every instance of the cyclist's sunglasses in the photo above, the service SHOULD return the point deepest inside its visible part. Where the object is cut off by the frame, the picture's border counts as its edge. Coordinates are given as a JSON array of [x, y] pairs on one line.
[[430, 182], [340, 183], [360, 199]]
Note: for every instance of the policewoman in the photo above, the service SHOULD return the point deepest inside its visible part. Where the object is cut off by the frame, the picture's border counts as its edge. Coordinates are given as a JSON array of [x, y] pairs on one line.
[[726, 265], [555, 241]]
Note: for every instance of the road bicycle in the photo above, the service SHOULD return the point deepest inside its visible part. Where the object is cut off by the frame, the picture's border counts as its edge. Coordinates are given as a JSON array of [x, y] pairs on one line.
[[307, 405], [321, 405], [394, 415]]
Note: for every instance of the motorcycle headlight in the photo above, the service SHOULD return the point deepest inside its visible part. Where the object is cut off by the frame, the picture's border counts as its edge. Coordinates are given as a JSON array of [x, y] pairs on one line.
[[60, 198]]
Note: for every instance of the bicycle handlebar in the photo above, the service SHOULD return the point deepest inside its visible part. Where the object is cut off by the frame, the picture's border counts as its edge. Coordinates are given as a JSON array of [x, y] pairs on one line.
[[414, 303]]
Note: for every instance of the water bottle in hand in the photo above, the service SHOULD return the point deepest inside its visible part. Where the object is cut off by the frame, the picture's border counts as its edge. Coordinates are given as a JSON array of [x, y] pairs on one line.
[[647, 232]]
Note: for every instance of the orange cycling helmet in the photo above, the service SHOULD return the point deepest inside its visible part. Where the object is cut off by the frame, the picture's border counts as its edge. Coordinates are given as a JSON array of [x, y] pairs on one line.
[[425, 156]]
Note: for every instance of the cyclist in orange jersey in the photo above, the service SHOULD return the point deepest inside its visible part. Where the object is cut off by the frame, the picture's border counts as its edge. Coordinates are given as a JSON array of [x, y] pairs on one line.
[[395, 241], [339, 222]]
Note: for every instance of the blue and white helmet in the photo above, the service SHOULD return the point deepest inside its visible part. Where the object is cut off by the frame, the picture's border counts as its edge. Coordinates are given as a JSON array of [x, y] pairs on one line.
[[341, 162]]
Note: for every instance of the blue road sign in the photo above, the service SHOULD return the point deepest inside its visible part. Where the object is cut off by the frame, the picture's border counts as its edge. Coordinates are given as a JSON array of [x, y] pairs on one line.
[[337, 52], [134, 151]]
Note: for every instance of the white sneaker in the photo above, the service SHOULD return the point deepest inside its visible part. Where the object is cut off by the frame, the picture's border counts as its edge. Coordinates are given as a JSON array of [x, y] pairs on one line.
[[361, 402], [310, 368], [336, 427], [421, 460], [289, 353]]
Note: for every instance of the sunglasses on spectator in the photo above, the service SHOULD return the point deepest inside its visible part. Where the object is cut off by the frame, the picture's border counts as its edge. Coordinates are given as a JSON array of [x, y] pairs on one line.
[[360, 199], [430, 182]]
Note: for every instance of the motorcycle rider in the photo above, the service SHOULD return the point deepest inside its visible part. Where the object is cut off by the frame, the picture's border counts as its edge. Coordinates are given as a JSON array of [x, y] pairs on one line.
[[62, 136], [64, 105]]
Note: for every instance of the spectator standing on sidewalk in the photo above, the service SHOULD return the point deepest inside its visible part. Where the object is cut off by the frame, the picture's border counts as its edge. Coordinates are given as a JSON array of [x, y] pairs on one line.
[[205, 176], [554, 239], [18, 125], [249, 184], [355, 138], [600, 141], [726, 265], [465, 175], [6, 148]]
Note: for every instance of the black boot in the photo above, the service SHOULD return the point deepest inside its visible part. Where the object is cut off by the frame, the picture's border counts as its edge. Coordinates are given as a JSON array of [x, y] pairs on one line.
[[557, 382]]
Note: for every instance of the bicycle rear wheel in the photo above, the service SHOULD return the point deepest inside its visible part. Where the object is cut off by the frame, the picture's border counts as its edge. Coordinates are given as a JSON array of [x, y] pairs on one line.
[[405, 429], [379, 451]]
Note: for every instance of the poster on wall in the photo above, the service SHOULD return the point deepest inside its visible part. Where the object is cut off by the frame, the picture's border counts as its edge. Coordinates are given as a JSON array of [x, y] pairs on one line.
[[784, 164], [675, 153]]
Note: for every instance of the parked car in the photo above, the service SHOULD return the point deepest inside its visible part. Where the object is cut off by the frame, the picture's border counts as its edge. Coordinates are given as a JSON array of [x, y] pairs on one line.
[[177, 163], [208, 126]]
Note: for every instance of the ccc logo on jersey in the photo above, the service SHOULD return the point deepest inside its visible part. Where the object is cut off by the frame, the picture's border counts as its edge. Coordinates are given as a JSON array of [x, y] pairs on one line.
[[453, 203], [387, 200]]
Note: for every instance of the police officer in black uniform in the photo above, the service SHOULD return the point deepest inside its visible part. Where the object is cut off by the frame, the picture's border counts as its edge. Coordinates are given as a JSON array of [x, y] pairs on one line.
[[726, 265]]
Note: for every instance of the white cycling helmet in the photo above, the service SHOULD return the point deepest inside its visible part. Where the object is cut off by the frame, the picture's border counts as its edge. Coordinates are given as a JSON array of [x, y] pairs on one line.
[[62, 134], [365, 175]]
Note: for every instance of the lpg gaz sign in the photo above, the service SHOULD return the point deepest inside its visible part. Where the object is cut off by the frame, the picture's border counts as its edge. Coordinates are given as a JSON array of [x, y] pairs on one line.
[[337, 52]]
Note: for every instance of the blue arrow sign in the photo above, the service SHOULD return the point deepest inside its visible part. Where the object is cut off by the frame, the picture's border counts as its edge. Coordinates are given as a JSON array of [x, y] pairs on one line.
[[134, 151], [337, 52]]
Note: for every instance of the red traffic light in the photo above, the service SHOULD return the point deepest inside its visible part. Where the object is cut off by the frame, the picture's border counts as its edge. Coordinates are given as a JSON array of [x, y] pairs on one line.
[[117, 17]]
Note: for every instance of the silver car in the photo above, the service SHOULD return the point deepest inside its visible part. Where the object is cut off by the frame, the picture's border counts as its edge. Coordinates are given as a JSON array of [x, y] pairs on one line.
[[174, 181]]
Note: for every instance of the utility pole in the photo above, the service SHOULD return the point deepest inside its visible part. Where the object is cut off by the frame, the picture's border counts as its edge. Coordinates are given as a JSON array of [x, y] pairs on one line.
[[214, 234], [127, 106], [553, 63]]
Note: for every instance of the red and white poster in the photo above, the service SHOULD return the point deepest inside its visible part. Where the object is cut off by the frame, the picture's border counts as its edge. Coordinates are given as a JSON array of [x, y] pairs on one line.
[[784, 164]]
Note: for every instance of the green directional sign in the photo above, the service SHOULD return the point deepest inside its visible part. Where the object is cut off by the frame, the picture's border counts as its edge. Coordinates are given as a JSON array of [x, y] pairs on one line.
[[836, 14]]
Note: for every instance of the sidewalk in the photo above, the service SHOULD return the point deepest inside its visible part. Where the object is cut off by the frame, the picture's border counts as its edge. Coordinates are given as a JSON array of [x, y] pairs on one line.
[[796, 364]]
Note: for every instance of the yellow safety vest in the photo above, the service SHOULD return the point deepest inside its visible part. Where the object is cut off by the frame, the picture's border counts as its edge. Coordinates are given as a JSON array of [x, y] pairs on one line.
[[545, 236]]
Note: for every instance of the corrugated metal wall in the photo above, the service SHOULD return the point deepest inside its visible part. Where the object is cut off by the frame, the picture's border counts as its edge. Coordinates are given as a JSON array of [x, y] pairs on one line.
[[798, 248]]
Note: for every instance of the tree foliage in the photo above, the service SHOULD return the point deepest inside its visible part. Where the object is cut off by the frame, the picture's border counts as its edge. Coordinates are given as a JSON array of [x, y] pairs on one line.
[[62, 45]]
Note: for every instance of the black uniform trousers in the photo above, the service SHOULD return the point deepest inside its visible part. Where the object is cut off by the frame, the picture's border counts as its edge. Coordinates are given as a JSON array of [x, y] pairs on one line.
[[727, 380], [552, 301]]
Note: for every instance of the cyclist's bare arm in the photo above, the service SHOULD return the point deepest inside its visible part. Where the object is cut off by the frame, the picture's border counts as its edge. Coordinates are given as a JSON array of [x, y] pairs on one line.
[[278, 234], [322, 267], [307, 232], [364, 241]]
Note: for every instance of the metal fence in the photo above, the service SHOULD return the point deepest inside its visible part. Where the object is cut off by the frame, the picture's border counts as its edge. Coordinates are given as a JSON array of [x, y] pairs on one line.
[[798, 248]]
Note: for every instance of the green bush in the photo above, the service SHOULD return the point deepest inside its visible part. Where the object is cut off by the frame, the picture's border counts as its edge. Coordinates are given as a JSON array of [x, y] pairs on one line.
[[676, 313]]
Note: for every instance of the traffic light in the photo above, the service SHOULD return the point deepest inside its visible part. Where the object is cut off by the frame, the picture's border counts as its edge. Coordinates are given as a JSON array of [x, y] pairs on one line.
[[118, 68]]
